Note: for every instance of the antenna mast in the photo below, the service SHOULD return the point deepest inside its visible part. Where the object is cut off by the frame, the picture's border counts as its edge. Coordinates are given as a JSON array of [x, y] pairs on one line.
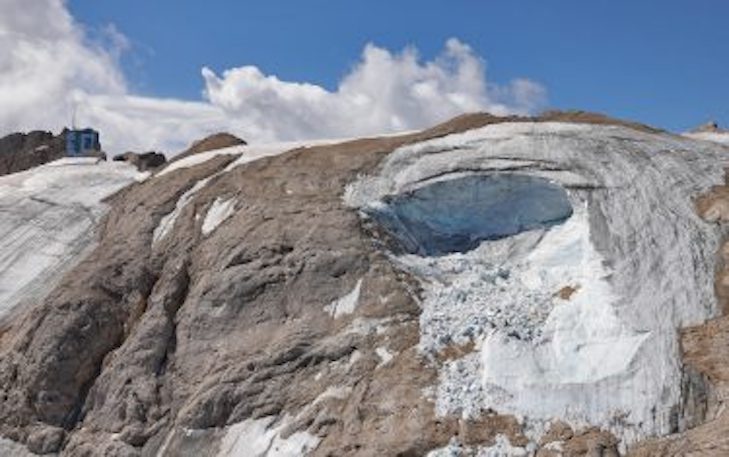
[[73, 116]]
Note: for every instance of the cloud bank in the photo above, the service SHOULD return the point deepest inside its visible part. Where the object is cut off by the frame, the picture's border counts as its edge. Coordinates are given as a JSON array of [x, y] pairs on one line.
[[49, 69]]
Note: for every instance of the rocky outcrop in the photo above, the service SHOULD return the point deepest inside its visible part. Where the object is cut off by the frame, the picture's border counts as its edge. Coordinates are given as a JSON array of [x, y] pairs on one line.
[[143, 161], [20, 151], [216, 141], [270, 316]]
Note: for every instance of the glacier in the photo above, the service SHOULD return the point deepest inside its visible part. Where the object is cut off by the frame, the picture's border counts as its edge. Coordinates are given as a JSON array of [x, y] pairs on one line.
[[457, 214], [575, 319], [49, 214]]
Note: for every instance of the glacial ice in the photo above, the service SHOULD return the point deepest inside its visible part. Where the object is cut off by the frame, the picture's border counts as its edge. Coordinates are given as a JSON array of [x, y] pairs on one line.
[[219, 211], [385, 356], [457, 214], [264, 438], [48, 216], [575, 319], [346, 304], [168, 220], [202, 157]]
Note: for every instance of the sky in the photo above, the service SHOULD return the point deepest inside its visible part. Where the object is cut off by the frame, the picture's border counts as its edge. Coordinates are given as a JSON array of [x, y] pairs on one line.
[[159, 74]]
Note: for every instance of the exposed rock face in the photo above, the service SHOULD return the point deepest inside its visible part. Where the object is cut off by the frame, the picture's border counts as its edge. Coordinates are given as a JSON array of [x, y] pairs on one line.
[[20, 151], [537, 353], [249, 309], [458, 214], [144, 161], [216, 141]]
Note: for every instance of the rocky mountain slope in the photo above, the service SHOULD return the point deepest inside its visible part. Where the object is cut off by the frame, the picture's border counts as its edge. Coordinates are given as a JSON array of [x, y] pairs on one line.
[[490, 286]]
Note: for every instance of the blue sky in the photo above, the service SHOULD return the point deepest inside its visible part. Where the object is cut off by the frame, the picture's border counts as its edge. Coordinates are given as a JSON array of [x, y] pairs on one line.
[[661, 62]]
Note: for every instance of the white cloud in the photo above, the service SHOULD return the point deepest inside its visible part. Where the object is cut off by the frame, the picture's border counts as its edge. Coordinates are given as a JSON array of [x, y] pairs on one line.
[[129, 122], [48, 66], [384, 92], [43, 58]]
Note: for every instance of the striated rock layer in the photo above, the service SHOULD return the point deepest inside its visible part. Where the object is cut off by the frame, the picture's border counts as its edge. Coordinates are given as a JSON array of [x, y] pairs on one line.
[[249, 303]]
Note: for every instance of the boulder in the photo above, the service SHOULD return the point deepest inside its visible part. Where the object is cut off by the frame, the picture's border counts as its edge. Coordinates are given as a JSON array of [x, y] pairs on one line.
[[144, 161]]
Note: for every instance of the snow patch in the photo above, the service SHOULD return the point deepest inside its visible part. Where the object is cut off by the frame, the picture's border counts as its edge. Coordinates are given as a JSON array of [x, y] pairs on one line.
[[261, 151], [202, 157], [384, 355], [168, 220], [262, 438], [346, 304], [453, 449], [245, 153], [456, 215], [509, 285], [219, 211], [354, 357]]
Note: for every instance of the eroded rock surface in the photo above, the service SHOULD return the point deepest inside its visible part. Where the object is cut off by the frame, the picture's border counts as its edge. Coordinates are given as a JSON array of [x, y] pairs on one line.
[[20, 151], [143, 161]]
